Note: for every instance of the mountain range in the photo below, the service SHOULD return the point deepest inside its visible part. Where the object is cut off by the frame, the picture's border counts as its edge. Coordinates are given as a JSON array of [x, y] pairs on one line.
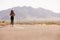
[[28, 13]]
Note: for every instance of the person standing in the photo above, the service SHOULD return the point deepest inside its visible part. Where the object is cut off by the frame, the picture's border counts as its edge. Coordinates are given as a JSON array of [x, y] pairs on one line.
[[12, 14]]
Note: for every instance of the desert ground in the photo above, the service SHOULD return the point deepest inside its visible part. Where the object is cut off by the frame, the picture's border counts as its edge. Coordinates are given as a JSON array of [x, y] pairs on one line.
[[30, 32]]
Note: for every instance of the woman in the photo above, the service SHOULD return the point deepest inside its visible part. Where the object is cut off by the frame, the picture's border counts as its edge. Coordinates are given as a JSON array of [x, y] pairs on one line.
[[12, 14]]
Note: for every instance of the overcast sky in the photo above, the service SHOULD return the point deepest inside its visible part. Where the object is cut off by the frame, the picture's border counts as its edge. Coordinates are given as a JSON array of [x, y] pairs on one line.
[[53, 5]]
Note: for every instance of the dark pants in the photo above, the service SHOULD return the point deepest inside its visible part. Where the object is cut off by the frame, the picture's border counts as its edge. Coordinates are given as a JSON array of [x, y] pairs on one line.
[[12, 20]]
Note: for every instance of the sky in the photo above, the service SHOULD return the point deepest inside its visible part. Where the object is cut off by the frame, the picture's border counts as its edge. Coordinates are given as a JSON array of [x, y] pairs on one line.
[[53, 5]]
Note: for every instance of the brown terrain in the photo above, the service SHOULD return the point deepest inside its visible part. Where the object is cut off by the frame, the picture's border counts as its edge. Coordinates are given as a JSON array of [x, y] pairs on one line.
[[30, 32]]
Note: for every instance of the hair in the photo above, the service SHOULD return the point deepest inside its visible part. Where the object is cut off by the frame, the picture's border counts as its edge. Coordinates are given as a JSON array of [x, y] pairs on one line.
[[12, 13]]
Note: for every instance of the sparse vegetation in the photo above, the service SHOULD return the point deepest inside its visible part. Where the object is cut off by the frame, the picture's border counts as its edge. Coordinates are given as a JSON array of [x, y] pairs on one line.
[[4, 23], [33, 23]]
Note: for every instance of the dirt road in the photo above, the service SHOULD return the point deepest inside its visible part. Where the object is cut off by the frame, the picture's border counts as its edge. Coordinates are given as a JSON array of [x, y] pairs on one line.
[[30, 32]]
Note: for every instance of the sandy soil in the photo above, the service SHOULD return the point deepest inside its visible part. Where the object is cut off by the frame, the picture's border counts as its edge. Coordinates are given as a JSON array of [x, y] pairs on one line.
[[30, 32]]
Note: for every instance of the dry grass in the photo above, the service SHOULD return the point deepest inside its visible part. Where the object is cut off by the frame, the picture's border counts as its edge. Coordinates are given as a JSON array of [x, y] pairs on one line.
[[3, 24]]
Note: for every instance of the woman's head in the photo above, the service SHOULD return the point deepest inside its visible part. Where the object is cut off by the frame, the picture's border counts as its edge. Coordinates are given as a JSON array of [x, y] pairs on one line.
[[12, 13]]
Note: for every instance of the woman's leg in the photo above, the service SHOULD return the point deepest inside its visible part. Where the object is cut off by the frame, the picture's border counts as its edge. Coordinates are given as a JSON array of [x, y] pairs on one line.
[[12, 20]]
